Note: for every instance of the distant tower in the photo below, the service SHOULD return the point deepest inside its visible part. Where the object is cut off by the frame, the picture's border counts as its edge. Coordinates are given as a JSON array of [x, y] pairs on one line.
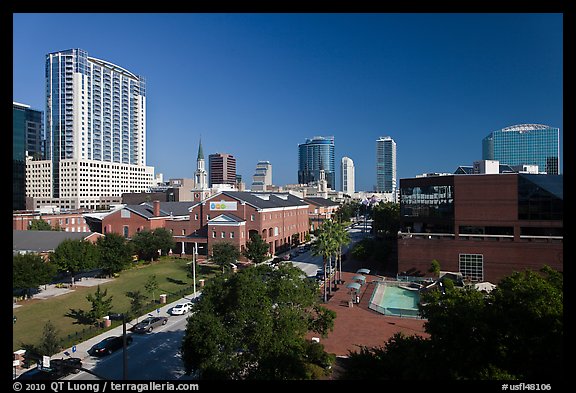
[[222, 167], [262, 177], [386, 165], [200, 190], [347, 172], [313, 154]]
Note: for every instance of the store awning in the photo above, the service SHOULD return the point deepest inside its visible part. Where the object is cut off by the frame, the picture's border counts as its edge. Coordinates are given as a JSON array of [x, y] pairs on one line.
[[359, 278], [363, 271]]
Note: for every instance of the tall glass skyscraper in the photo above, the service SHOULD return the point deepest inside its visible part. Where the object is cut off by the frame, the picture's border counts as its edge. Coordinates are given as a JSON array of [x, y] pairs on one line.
[[315, 154], [95, 129], [27, 140], [385, 164], [531, 144]]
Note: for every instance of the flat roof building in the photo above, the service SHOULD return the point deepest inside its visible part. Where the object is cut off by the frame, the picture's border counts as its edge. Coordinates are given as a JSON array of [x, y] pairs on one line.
[[485, 226]]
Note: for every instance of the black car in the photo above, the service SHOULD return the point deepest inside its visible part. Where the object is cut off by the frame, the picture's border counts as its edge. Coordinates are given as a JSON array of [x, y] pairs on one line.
[[109, 345], [59, 368], [148, 324]]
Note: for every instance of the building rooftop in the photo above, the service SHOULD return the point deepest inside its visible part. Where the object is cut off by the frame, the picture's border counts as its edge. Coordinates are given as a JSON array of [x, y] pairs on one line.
[[43, 241]]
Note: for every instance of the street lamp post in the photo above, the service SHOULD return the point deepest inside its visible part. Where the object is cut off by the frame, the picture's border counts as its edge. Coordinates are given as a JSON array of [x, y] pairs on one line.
[[117, 317], [194, 253]]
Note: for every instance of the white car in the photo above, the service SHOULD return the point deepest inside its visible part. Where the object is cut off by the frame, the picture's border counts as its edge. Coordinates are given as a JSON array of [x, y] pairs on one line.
[[181, 309]]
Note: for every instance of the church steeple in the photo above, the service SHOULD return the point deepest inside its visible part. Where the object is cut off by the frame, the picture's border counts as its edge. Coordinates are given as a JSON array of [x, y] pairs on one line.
[[200, 151], [200, 176]]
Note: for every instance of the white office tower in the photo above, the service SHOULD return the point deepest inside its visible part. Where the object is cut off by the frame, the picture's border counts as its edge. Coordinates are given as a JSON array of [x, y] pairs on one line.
[[347, 173], [95, 128], [386, 165], [262, 177]]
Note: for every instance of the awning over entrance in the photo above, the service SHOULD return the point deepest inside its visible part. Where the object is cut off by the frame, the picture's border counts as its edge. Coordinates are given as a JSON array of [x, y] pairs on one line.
[[359, 278], [363, 271], [353, 285]]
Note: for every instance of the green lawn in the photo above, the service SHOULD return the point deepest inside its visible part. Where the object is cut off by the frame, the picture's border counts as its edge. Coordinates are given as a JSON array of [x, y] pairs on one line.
[[171, 274]]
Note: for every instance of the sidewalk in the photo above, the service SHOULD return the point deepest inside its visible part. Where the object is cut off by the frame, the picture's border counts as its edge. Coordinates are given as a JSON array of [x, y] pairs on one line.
[[81, 349]]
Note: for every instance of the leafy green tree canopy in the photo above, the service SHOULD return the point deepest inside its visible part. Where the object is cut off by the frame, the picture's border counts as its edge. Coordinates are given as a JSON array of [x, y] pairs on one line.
[[75, 256], [29, 271], [256, 249], [224, 254], [39, 225], [115, 253], [147, 243], [252, 325], [101, 304]]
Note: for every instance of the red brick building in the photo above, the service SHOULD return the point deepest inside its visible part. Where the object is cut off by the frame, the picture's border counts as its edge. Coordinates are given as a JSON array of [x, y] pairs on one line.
[[131, 219], [320, 210], [228, 216], [233, 216], [67, 221], [485, 226]]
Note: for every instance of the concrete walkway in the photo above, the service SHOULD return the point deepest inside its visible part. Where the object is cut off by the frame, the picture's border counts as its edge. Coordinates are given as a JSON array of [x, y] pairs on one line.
[[51, 290]]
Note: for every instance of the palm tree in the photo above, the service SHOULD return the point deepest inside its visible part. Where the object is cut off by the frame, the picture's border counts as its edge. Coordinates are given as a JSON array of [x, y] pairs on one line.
[[342, 238], [325, 246]]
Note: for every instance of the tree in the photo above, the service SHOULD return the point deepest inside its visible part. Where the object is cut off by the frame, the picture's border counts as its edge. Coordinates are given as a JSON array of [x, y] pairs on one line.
[[39, 225], [49, 343], [115, 253], [136, 303], [342, 238], [144, 245], [386, 216], [163, 240], [151, 285], [253, 325], [434, 267], [256, 249], [29, 271], [101, 304], [295, 239], [324, 245], [147, 243], [74, 256], [225, 254]]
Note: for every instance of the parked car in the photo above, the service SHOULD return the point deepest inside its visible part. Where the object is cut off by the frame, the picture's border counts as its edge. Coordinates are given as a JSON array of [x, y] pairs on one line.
[[109, 345], [148, 324], [181, 309], [59, 368]]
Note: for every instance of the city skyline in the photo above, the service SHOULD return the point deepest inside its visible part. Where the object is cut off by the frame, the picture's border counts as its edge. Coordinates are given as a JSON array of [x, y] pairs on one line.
[[257, 85]]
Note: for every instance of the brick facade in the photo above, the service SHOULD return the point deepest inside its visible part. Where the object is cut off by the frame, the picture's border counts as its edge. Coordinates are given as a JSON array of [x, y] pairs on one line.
[[490, 202]]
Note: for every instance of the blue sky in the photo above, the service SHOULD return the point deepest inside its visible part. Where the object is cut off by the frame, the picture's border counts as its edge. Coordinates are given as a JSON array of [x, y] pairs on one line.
[[257, 85]]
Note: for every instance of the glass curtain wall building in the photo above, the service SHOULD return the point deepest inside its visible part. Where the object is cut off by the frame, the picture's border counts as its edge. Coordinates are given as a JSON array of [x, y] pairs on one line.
[[316, 154], [95, 110], [27, 140], [385, 165], [525, 144]]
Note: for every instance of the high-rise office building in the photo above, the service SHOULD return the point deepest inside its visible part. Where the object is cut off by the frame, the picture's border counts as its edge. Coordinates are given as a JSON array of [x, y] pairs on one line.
[[314, 155], [27, 141], [386, 165], [347, 173], [95, 129], [525, 144], [222, 169], [262, 176]]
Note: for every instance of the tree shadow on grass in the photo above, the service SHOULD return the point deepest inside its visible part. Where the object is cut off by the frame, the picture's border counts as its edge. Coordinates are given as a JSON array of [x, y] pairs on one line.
[[81, 317], [174, 281]]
